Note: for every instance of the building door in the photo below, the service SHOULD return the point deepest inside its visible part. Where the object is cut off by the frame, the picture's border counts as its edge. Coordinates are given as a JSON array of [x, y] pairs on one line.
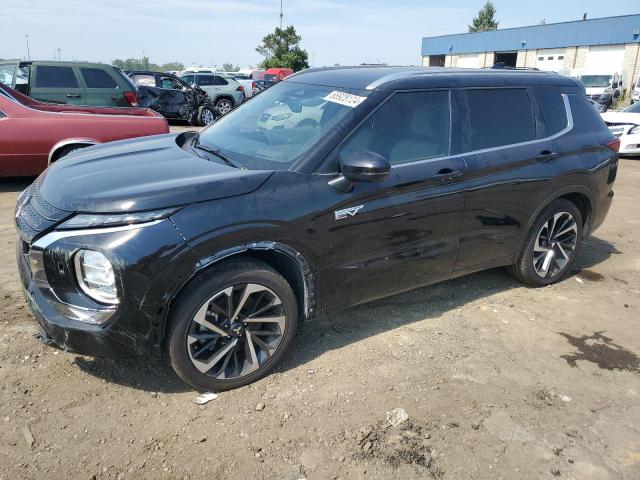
[[436, 60], [508, 58], [605, 58], [468, 60], [551, 59]]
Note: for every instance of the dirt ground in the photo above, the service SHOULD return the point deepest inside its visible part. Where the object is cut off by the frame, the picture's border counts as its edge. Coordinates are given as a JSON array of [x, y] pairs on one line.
[[499, 381]]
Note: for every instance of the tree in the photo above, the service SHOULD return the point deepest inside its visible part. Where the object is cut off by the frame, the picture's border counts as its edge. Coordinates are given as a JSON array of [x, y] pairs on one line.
[[144, 64], [281, 49], [485, 21], [230, 67]]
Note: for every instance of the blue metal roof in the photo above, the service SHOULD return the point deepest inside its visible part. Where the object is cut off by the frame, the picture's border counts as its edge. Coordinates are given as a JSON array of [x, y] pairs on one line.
[[598, 31]]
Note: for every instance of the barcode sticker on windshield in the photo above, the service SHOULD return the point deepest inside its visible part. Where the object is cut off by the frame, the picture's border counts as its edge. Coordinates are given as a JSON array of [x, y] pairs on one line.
[[346, 99]]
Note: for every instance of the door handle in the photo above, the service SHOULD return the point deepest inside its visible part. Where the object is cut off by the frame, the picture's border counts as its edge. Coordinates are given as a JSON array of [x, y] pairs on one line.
[[546, 156], [446, 174], [73, 95]]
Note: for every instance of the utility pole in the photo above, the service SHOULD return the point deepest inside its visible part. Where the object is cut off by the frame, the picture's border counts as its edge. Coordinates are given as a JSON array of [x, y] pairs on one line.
[[281, 15], [26, 37], [59, 49]]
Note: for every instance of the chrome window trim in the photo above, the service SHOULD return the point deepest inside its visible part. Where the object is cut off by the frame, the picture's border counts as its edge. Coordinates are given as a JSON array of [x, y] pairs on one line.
[[564, 131]]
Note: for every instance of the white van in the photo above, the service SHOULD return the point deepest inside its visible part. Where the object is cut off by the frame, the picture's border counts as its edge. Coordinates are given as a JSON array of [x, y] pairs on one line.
[[602, 87]]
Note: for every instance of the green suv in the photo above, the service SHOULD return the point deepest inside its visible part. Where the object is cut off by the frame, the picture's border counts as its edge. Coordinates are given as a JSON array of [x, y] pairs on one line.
[[78, 83]]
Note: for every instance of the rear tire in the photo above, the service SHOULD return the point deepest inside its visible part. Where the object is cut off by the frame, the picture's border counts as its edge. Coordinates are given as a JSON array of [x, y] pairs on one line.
[[206, 116], [210, 342], [224, 106], [551, 246]]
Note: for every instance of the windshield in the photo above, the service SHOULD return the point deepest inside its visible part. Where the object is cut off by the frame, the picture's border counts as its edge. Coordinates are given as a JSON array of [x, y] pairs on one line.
[[635, 108], [275, 128], [596, 80], [270, 77]]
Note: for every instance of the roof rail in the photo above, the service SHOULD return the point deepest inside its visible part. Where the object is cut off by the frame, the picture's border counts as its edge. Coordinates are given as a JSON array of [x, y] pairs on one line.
[[504, 66]]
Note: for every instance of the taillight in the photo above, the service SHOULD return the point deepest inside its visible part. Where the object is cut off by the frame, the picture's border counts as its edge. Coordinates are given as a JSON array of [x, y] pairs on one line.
[[613, 144], [253, 85], [132, 98], [240, 88]]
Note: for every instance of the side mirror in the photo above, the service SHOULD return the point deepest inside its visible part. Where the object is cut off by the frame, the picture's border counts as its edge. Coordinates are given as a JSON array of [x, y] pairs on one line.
[[362, 166]]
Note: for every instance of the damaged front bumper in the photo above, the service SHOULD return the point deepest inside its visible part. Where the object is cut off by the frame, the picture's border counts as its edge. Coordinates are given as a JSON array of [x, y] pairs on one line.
[[74, 321]]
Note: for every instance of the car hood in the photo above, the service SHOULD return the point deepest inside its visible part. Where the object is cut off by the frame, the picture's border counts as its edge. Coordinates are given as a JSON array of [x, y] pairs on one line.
[[621, 117], [141, 174]]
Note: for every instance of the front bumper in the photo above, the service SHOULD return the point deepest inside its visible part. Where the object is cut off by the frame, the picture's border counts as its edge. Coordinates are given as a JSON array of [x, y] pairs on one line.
[[145, 258]]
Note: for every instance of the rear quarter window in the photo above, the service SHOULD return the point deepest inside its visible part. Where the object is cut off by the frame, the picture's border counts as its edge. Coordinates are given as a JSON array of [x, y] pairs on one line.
[[553, 110], [585, 118], [55, 77], [145, 80], [499, 117], [97, 78]]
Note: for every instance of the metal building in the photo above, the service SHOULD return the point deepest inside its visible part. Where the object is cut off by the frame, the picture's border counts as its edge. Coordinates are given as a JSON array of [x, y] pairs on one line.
[[610, 44]]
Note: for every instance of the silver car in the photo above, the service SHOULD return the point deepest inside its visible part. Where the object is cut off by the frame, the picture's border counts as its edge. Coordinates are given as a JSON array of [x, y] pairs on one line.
[[225, 92]]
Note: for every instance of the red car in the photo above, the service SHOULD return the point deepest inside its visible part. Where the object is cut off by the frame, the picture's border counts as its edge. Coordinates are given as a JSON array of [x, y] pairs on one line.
[[33, 134]]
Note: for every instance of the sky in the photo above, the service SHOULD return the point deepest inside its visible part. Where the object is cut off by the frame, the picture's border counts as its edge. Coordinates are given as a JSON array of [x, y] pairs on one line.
[[212, 32]]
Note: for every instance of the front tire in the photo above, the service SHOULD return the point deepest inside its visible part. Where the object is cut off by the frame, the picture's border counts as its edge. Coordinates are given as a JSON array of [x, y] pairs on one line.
[[232, 326], [551, 245]]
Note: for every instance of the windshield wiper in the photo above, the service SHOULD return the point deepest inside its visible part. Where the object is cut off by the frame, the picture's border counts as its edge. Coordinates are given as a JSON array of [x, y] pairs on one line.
[[216, 152]]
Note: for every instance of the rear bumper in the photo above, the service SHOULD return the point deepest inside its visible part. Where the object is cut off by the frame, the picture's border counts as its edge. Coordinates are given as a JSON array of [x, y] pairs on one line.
[[630, 144]]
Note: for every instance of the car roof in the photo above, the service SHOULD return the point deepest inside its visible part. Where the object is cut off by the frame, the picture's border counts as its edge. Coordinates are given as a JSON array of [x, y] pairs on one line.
[[399, 78], [64, 63]]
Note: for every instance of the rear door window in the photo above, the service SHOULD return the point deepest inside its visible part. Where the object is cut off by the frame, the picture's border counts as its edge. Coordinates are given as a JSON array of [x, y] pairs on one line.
[[220, 81], [205, 80], [499, 117], [410, 126], [170, 83], [55, 77], [552, 107], [97, 78]]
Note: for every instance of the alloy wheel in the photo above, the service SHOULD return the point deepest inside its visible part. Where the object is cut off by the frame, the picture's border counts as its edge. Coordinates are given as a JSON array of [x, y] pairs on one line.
[[555, 244], [207, 116], [236, 331], [224, 106]]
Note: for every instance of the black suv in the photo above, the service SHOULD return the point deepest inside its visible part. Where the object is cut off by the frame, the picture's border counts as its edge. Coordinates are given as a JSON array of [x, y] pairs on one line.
[[331, 188]]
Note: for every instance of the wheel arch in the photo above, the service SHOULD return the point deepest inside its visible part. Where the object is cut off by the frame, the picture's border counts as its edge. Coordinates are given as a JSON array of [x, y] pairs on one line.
[[57, 148], [286, 260], [580, 195], [225, 96]]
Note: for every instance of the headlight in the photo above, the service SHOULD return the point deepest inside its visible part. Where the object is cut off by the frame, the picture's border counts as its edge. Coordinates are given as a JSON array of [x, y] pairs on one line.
[[95, 276], [90, 220], [635, 129]]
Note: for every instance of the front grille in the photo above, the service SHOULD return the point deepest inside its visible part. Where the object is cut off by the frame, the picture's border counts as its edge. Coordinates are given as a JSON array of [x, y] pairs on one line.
[[34, 215]]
